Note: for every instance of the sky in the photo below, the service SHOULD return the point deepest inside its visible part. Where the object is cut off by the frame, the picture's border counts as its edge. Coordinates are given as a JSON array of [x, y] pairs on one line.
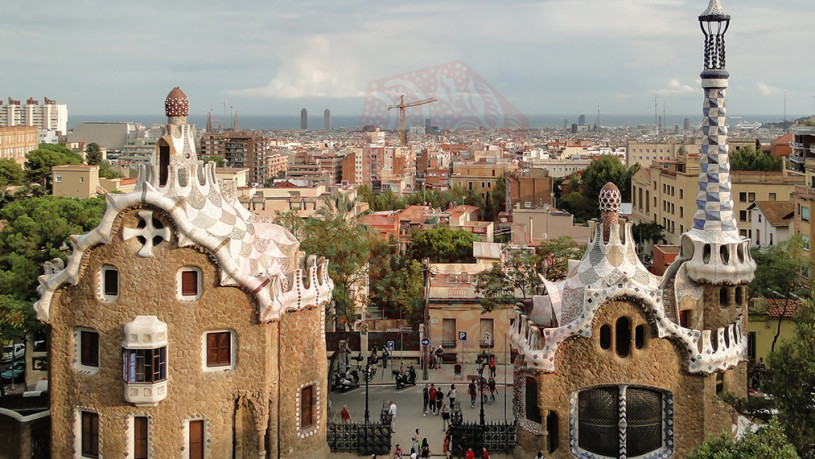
[[545, 57]]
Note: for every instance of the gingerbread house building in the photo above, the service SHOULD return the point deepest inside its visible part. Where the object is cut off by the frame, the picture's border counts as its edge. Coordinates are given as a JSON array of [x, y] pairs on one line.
[[184, 327], [617, 362]]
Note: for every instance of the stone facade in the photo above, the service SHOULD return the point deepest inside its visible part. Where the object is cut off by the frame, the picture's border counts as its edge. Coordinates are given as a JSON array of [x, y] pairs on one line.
[[173, 264]]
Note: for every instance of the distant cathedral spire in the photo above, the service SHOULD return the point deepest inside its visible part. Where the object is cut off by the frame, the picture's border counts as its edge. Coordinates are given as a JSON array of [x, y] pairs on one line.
[[235, 128], [714, 203]]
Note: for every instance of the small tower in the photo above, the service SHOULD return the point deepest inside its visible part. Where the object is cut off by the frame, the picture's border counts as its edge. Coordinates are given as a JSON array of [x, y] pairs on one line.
[[715, 256], [177, 145]]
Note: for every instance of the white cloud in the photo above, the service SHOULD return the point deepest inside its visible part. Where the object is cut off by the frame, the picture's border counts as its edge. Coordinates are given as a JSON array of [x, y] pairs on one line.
[[766, 90], [675, 88], [310, 69]]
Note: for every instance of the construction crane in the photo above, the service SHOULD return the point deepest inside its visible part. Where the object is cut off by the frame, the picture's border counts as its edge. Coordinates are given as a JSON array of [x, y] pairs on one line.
[[402, 106]]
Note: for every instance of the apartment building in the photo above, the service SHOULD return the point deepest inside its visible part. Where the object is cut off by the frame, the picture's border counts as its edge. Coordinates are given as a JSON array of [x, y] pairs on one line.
[[245, 149], [49, 116], [666, 193], [75, 181], [482, 176], [645, 153], [563, 166], [802, 145], [530, 188], [16, 141]]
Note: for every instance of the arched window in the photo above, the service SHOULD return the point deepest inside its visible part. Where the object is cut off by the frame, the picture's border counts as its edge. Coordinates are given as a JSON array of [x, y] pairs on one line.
[[163, 161], [639, 336], [605, 337], [623, 336]]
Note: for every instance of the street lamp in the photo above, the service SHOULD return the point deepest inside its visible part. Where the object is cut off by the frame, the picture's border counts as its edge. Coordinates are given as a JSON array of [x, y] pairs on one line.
[[367, 378], [479, 361]]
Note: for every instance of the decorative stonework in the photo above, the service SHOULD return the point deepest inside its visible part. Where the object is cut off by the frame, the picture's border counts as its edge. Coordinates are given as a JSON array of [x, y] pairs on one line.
[[176, 103], [149, 233]]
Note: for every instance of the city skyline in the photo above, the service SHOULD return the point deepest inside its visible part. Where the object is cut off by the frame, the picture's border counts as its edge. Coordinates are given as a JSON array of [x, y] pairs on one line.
[[546, 57]]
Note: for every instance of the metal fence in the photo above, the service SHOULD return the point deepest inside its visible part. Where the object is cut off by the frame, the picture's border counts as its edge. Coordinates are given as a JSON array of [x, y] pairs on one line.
[[404, 341], [358, 437], [497, 437], [332, 340]]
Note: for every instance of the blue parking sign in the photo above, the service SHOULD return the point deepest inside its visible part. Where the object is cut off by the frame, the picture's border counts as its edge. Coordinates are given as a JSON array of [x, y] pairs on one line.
[[462, 336], [390, 345]]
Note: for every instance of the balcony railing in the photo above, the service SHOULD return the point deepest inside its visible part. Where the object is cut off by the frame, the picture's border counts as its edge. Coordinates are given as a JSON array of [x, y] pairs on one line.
[[486, 344], [448, 343]]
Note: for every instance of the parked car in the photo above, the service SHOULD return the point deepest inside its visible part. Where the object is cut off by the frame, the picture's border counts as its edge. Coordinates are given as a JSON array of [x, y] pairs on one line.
[[16, 372], [13, 352]]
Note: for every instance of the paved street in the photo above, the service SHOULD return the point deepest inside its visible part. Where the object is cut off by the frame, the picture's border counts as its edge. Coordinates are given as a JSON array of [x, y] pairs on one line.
[[409, 403]]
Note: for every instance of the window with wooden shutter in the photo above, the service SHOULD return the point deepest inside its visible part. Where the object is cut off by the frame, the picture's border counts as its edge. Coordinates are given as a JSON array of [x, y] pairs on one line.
[[89, 348], [219, 349], [90, 434], [110, 280], [189, 283], [196, 440], [140, 441], [306, 407]]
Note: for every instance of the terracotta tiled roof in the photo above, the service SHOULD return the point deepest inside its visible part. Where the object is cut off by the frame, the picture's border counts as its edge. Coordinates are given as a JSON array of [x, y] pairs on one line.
[[779, 307], [778, 213]]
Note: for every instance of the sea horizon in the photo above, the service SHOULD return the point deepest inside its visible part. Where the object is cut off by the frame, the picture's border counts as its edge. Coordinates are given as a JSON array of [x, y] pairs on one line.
[[287, 122]]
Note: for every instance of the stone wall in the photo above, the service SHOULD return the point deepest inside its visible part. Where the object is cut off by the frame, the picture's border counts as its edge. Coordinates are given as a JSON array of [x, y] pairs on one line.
[[582, 363]]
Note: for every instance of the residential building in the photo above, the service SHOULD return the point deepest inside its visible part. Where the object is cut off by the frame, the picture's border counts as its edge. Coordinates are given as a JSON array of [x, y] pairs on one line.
[[16, 142], [615, 361], [189, 327], [771, 222], [50, 116], [665, 193], [455, 313], [561, 167], [802, 145], [664, 255], [247, 149], [533, 226], [775, 318], [111, 136], [645, 153], [480, 177], [75, 181], [530, 188]]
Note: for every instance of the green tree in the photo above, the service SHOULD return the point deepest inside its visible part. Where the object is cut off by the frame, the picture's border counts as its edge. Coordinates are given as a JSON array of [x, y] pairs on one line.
[[648, 231], [292, 221], [791, 381], [778, 268], [218, 160], [440, 244], [107, 172], [10, 173], [346, 243], [40, 161], [748, 159], [509, 282], [36, 230], [767, 442], [555, 255], [396, 283], [93, 154]]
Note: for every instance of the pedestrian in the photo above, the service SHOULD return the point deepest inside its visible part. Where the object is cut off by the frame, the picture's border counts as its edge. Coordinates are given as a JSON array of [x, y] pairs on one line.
[[392, 412], [445, 447], [492, 365], [472, 392], [439, 356], [425, 448], [425, 398], [397, 452], [469, 454], [493, 389], [539, 455], [452, 394], [432, 398], [439, 400], [445, 416], [484, 453], [414, 448], [385, 355], [345, 416]]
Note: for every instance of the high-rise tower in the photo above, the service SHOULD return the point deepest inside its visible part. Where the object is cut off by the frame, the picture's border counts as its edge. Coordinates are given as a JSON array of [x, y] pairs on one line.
[[304, 119], [327, 119]]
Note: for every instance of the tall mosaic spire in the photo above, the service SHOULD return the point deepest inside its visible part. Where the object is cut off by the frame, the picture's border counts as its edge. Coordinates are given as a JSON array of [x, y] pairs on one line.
[[714, 203]]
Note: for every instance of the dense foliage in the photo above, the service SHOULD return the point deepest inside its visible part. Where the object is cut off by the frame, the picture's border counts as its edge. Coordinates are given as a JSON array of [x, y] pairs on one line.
[[768, 442], [748, 159], [584, 203], [93, 154], [441, 244], [40, 161], [509, 282]]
